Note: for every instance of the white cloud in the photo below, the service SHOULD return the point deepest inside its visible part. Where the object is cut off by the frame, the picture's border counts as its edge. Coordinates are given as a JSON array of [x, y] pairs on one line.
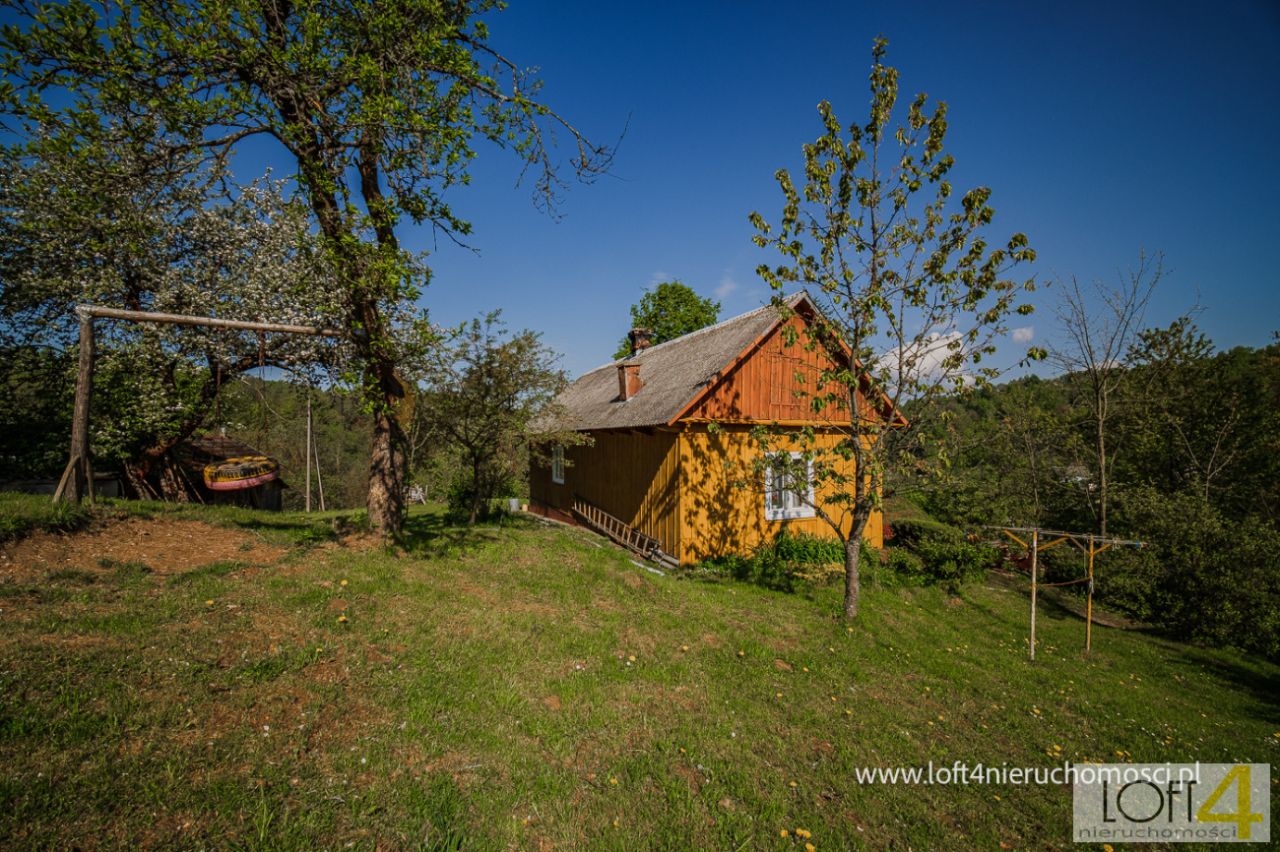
[[927, 357], [1024, 335], [726, 286], [661, 276]]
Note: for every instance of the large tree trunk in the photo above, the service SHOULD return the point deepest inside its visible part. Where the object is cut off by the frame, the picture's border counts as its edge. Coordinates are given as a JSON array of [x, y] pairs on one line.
[[476, 494], [386, 473]]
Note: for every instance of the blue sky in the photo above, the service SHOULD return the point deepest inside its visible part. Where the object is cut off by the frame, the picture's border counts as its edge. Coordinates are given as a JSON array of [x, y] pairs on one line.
[[1103, 129]]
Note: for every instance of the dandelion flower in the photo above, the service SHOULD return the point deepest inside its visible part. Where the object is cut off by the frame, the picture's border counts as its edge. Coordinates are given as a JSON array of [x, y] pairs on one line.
[[631, 658], [809, 847], [784, 833], [210, 603], [794, 785], [342, 619], [613, 781], [742, 653], [343, 583]]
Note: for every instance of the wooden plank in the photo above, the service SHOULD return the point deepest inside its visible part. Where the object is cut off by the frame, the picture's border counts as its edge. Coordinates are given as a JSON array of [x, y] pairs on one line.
[[77, 479], [212, 322]]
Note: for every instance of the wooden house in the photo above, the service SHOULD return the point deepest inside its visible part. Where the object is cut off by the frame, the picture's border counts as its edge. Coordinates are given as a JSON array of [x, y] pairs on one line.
[[659, 471]]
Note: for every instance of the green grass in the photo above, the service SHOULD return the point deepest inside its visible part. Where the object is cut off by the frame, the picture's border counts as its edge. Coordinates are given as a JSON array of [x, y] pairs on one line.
[[22, 514], [480, 694]]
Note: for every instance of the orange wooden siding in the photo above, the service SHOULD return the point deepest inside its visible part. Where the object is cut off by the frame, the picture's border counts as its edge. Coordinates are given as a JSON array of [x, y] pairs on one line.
[[774, 381], [722, 500], [632, 475]]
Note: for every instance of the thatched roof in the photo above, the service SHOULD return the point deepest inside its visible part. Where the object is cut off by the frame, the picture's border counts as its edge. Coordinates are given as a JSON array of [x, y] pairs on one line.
[[674, 374]]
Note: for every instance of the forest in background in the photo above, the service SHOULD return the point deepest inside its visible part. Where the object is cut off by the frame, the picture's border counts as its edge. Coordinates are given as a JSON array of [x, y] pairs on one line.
[[1193, 456], [1193, 461]]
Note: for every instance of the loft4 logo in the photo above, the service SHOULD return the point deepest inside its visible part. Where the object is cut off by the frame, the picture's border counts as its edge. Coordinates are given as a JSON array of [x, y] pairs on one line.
[[1239, 779], [1172, 803]]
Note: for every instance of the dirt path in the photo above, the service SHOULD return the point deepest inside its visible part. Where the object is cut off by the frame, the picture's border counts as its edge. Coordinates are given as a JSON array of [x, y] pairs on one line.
[[164, 545]]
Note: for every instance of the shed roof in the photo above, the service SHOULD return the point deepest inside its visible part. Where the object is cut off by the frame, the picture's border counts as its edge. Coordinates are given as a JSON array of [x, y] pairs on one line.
[[674, 374]]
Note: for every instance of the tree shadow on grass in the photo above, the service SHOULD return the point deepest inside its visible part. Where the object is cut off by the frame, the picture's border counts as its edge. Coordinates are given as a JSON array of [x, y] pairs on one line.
[[437, 535]]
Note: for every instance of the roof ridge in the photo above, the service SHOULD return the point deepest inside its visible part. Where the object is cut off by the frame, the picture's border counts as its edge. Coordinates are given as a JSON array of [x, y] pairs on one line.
[[698, 331]]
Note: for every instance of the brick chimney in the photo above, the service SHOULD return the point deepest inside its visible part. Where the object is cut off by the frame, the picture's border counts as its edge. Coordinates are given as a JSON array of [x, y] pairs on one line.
[[629, 382], [641, 339]]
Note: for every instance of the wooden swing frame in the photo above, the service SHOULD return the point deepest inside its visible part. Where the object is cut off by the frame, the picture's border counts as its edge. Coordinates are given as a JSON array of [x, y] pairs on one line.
[[77, 479], [1089, 544]]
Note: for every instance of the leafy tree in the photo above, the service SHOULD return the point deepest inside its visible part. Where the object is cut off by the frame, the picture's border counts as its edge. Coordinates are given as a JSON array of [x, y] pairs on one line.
[[35, 411], [912, 295], [126, 222], [668, 311], [480, 395], [377, 105]]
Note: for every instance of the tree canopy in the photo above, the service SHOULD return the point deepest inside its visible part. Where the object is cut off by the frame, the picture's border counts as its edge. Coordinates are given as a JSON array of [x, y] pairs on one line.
[[114, 225], [378, 106], [669, 310]]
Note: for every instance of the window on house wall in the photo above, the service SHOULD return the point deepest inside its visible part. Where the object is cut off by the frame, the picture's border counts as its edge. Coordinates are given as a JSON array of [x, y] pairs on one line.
[[788, 488], [557, 465]]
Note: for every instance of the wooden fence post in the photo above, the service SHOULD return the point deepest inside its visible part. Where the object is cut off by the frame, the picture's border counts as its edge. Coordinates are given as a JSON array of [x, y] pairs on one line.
[[77, 479], [1035, 570]]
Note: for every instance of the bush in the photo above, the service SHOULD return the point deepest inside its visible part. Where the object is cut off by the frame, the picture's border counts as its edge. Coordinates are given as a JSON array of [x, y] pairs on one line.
[[1202, 577], [807, 549], [790, 560], [912, 532], [462, 495], [932, 553], [904, 565]]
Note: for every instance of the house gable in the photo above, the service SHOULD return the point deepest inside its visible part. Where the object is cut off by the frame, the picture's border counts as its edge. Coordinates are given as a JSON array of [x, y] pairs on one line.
[[772, 381]]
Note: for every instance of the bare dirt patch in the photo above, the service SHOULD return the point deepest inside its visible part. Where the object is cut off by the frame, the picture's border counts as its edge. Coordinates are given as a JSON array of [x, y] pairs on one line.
[[166, 546]]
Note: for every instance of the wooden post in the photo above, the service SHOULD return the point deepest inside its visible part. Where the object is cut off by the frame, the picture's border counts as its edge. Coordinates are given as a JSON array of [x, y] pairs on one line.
[[77, 479], [1035, 570], [308, 449], [1088, 607], [319, 479]]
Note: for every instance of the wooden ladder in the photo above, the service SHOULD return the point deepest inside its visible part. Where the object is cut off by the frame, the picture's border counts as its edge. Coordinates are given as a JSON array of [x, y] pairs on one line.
[[619, 531]]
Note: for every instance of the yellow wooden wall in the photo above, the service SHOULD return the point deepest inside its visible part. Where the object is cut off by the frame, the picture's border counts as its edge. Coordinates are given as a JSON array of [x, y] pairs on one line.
[[720, 515], [633, 475]]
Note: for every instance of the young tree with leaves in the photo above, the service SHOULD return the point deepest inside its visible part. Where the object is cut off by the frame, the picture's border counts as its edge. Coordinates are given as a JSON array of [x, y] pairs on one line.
[[376, 104], [480, 394], [912, 296], [668, 311]]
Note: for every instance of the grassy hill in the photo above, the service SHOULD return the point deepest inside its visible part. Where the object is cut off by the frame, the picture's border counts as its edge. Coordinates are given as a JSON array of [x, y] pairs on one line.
[[222, 678]]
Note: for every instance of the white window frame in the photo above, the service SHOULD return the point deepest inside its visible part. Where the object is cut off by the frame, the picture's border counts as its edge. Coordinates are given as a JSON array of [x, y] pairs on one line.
[[557, 464], [796, 505]]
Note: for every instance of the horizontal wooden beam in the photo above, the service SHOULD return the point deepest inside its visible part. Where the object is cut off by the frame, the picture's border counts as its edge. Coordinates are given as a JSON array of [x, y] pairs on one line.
[[212, 322]]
